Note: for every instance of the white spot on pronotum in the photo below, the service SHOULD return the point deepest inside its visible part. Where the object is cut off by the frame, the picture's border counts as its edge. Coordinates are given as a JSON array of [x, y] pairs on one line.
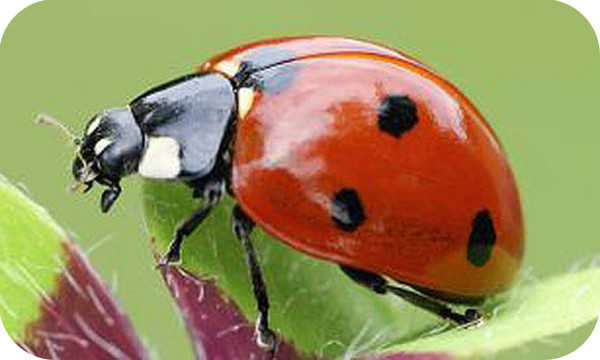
[[101, 145], [93, 125], [245, 100], [228, 67], [161, 159]]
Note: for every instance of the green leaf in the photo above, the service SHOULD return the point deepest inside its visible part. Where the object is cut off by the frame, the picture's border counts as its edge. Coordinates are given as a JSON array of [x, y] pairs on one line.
[[530, 312], [52, 302], [30, 258], [315, 307]]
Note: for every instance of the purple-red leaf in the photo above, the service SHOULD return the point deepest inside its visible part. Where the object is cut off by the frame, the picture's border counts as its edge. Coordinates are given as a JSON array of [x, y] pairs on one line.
[[217, 327], [221, 332], [52, 302], [80, 319], [415, 357]]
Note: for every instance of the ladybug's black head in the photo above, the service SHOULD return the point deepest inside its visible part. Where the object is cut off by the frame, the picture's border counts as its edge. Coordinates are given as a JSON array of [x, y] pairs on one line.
[[110, 149]]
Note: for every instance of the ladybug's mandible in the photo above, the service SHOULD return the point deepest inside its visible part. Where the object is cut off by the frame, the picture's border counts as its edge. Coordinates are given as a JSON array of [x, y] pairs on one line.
[[345, 150]]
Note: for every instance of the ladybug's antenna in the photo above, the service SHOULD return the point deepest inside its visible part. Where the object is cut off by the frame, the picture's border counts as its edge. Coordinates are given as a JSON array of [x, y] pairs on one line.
[[45, 119], [87, 174]]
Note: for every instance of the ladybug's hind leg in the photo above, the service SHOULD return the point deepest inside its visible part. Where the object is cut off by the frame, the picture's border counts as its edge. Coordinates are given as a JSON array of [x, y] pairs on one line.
[[242, 226], [380, 285]]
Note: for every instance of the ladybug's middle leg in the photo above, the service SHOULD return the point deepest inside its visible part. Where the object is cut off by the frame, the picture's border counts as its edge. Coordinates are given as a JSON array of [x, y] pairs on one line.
[[380, 285], [242, 226]]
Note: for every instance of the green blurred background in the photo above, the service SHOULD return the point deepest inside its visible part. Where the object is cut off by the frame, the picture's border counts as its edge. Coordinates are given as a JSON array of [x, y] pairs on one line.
[[532, 67]]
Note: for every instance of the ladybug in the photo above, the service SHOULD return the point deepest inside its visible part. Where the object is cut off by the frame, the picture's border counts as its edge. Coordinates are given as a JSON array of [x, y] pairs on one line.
[[345, 150]]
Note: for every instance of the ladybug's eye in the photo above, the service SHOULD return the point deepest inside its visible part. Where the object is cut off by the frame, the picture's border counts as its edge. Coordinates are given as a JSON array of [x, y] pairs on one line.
[[83, 173]]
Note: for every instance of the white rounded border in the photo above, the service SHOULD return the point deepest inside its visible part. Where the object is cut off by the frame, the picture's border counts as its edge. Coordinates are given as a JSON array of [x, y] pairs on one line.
[[590, 9], [8, 348]]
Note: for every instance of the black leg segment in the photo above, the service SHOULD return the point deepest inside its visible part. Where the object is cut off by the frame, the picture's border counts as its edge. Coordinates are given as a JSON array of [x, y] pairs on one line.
[[379, 285], [109, 196], [242, 226], [365, 278], [212, 197]]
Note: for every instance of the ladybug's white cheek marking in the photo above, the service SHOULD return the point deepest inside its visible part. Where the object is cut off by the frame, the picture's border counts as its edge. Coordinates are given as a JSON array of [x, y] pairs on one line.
[[161, 159], [228, 67], [93, 125], [245, 100], [101, 145]]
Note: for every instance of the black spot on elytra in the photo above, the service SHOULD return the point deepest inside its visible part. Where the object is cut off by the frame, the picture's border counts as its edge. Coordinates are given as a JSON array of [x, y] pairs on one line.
[[397, 115], [347, 210], [482, 239]]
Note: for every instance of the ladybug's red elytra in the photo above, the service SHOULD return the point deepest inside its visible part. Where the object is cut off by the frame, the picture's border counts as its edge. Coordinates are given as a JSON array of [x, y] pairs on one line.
[[345, 150]]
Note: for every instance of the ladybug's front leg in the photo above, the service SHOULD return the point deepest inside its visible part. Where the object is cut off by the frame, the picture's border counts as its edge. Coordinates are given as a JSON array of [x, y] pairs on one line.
[[242, 226], [212, 195]]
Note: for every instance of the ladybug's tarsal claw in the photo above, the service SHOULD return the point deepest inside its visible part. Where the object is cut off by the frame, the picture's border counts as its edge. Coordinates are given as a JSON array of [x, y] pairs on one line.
[[267, 339], [473, 315], [474, 319], [471, 319], [173, 257]]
